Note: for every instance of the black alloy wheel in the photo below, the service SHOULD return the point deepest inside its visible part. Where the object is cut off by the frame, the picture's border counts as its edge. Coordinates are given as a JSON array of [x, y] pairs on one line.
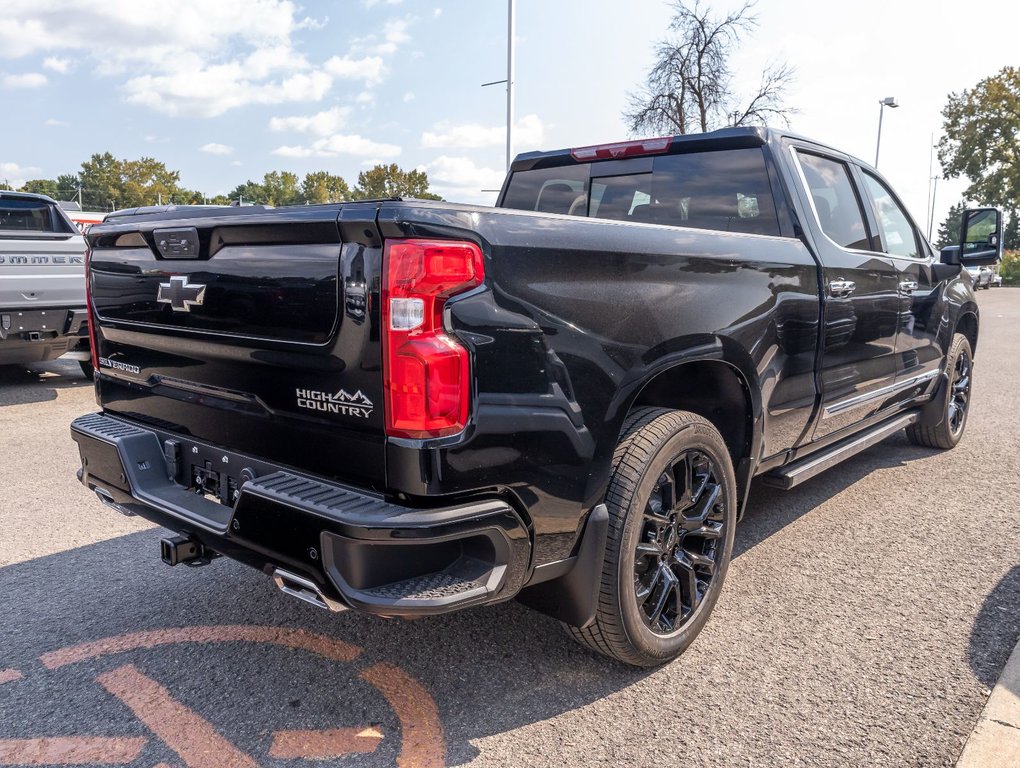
[[959, 392], [943, 421], [672, 504], [676, 555]]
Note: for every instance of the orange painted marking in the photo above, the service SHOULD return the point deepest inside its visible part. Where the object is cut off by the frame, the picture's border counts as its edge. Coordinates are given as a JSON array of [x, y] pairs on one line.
[[70, 750], [9, 675], [422, 744], [194, 740], [291, 638], [324, 745]]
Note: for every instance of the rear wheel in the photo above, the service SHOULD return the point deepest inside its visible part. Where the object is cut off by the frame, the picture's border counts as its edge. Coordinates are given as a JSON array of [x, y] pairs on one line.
[[672, 512], [954, 402], [87, 369]]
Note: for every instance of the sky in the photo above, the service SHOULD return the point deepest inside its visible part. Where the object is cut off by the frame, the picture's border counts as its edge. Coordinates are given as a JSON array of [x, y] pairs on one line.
[[226, 91]]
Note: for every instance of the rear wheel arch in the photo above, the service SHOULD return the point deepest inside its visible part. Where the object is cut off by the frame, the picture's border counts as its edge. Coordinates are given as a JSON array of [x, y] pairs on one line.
[[714, 385]]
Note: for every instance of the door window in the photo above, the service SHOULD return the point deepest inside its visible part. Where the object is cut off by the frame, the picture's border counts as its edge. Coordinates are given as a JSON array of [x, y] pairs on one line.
[[898, 235], [835, 201]]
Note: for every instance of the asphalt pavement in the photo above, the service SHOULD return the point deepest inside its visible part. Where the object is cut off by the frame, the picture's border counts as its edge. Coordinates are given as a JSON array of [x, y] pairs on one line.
[[865, 618]]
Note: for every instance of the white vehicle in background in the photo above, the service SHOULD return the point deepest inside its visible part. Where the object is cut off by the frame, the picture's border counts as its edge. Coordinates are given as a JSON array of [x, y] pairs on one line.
[[82, 219], [996, 280], [982, 277], [42, 283]]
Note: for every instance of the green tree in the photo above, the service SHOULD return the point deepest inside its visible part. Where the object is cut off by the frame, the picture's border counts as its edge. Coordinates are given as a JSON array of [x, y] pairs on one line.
[[981, 129], [390, 181], [147, 181], [281, 188], [100, 179], [691, 87], [324, 187], [41, 187], [949, 230], [249, 192]]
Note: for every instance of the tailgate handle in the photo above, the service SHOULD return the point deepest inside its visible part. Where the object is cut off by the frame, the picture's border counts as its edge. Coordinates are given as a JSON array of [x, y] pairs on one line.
[[178, 243]]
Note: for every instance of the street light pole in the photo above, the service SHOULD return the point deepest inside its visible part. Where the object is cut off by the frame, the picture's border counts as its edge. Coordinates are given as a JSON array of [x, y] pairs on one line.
[[511, 23], [888, 101], [511, 13]]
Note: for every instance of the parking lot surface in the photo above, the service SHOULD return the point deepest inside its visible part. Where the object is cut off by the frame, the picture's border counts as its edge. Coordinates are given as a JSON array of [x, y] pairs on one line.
[[865, 617]]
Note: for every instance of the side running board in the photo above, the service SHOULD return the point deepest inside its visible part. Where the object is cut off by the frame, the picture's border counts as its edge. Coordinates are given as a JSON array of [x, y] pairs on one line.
[[794, 474]]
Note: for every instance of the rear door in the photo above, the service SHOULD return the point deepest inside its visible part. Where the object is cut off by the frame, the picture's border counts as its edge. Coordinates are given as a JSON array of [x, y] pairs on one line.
[[860, 302], [253, 330]]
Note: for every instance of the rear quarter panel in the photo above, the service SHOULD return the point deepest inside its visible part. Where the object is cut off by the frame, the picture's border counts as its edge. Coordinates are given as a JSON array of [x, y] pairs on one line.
[[575, 317]]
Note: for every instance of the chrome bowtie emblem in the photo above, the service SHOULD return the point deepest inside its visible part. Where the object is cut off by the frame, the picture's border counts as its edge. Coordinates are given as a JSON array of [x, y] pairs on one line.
[[180, 294]]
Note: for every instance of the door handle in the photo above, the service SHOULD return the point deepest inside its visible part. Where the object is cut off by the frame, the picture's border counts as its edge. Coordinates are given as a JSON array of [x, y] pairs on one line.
[[840, 288], [908, 286]]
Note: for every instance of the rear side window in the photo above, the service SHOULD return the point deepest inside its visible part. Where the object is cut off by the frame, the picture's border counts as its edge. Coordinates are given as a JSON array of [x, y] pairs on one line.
[[725, 190], [835, 201], [27, 215], [550, 190]]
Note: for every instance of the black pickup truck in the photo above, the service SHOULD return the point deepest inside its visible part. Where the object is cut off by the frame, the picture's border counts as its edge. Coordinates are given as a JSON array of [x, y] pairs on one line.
[[409, 407]]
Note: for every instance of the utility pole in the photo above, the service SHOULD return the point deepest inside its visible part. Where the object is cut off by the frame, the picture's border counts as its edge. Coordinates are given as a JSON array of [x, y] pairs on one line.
[[511, 13], [509, 80]]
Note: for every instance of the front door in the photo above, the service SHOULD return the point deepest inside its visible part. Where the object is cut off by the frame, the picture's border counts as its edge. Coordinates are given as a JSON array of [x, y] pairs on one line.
[[860, 298], [919, 353]]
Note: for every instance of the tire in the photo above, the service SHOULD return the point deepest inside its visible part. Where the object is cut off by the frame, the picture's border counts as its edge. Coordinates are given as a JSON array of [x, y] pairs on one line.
[[87, 369], [953, 403], [653, 602]]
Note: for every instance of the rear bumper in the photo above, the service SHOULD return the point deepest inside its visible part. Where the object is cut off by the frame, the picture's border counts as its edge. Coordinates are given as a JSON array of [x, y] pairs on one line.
[[28, 336], [359, 548]]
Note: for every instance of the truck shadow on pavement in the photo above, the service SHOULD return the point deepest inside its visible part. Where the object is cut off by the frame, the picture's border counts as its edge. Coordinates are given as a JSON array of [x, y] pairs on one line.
[[477, 674], [996, 629], [39, 382]]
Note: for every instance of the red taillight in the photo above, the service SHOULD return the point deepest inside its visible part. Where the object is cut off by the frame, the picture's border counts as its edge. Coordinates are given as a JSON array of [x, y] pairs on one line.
[[622, 149], [90, 311], [427, 372]]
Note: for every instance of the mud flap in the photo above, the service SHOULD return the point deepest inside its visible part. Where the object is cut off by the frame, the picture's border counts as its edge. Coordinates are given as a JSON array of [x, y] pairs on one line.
[[573, 597]]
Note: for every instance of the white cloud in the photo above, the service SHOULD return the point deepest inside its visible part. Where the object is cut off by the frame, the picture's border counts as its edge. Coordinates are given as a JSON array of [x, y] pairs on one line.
[[437, 12], [236, 163], [52, 121], [57, 64], [16, 175], [460, 175], [24, 80], [394, 35], [214, 90], [409, 96], [367, 68], [320, 124], [365, 98], [373, 3], [193, 58], [528, 132], [213, 148], [340, 144]]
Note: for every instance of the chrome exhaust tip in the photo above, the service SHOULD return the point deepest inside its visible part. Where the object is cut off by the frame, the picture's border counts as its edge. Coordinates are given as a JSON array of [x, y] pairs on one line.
[[306, 590], [107, 498]]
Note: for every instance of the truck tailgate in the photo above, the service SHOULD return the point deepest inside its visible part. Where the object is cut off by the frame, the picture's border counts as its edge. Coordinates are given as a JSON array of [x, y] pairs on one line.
[[259, 333]]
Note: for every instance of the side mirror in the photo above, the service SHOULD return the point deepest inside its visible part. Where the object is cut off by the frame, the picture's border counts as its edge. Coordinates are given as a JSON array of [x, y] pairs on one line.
[[981, 237], [950, 255]]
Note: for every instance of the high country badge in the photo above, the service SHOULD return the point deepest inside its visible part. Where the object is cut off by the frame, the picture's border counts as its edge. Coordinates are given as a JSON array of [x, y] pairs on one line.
[[340, 402]]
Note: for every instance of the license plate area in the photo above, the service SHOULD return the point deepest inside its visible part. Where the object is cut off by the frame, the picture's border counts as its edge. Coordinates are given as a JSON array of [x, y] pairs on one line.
[[212, 474]]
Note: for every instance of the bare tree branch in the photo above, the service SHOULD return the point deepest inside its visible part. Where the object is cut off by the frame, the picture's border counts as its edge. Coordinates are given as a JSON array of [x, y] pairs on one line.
[[690, 87]]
